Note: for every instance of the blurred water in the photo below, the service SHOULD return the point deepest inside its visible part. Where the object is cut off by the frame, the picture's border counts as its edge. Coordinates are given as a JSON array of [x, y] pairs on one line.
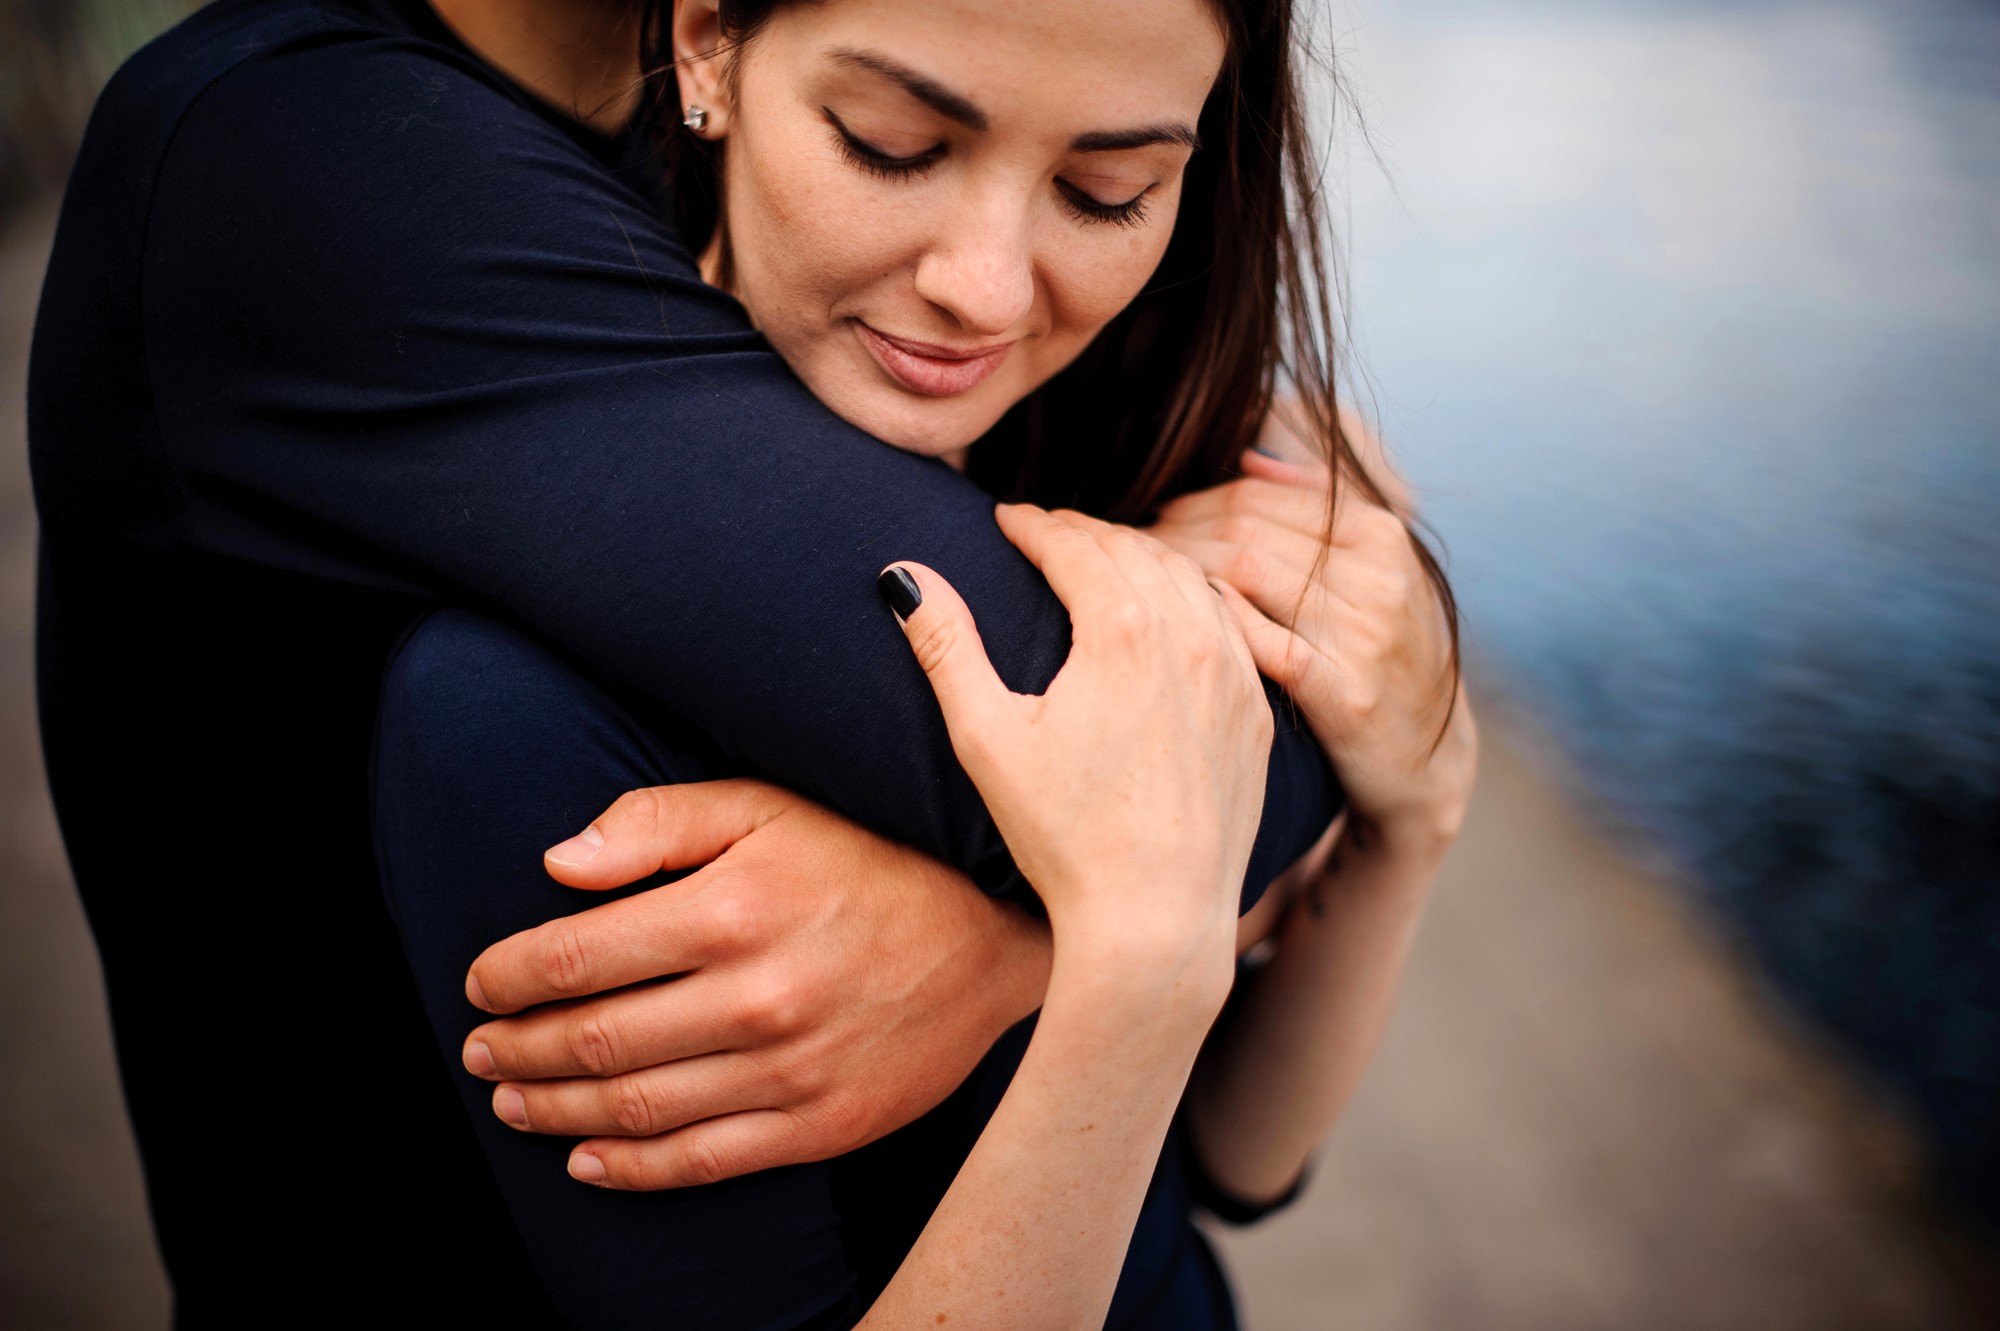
[[1686, 320]]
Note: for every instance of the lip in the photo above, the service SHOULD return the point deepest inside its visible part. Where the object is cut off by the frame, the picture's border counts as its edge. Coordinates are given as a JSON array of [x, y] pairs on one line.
[[929, 369]]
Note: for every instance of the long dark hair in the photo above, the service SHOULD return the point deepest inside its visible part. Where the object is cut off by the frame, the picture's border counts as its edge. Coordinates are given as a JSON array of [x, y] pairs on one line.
[[1176, 387]]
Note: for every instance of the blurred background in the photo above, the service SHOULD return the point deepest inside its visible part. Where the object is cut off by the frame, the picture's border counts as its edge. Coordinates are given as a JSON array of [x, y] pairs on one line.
[[1685, 320]]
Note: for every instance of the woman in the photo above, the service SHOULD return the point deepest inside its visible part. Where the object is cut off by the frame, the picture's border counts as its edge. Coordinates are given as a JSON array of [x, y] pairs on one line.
[[983, 204], [408, 333]]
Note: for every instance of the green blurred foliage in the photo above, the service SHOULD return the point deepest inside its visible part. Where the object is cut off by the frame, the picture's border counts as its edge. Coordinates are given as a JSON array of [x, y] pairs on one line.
[[54, 56]]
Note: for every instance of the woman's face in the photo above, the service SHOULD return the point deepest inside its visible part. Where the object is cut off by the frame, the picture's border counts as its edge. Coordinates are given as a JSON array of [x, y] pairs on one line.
[[934, 205]]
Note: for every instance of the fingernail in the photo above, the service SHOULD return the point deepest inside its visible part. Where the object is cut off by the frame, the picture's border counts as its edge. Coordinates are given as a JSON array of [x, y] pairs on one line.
[[474, 994], [586, 1168], [579, 849], [479, 1059], [510, 1107], [900, 590]]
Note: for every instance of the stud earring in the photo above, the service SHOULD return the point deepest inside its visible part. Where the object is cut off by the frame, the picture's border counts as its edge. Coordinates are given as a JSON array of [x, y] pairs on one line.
[[696, 119]]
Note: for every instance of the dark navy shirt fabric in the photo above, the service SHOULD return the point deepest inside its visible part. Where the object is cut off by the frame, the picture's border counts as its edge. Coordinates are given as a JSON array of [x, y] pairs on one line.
[[341, 326], [490, 749]]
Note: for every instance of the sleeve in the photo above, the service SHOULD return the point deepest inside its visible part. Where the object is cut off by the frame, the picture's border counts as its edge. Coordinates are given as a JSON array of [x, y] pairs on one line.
[[1218, 1201], [487, 749], [405, 331]]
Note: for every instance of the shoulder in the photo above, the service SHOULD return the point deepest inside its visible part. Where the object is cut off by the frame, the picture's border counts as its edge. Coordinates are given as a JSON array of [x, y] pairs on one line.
[[360, 114], [311, 124], [386, 204]]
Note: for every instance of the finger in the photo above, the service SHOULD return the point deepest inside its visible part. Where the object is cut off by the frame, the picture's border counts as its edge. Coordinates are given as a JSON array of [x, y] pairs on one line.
[[1307, 472], [1248, 509], [942, 634], [637, 1104], [1365, 445], [1143, 560], [663, 827], [1282, 454], [1254, 499], [1069, 555], [1285, 594], [1282, 656], [1218, 593], [602, 1037], [661, 932], [1307, 556], [706, 1152]]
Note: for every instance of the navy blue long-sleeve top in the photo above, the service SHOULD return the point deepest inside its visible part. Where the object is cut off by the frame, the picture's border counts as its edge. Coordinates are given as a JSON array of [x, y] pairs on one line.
[[341, 325]]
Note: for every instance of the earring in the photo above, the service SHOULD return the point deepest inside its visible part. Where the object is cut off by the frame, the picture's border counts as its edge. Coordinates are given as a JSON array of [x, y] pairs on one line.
[[696, 119]]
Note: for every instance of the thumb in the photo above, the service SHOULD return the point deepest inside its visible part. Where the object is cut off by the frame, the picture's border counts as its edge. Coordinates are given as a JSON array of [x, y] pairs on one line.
[[663, 827], [939, 626]]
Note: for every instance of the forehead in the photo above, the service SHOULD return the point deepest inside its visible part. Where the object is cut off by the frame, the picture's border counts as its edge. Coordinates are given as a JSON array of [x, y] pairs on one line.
[[1089, 64]]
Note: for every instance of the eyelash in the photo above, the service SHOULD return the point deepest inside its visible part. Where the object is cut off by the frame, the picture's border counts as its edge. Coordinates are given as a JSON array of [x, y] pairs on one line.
[[878, 163], [1129, 213], [1080, 205]]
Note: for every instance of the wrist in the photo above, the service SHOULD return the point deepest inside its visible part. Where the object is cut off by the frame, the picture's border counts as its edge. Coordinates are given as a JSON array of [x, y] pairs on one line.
[[1173, 968], [1416, 835]]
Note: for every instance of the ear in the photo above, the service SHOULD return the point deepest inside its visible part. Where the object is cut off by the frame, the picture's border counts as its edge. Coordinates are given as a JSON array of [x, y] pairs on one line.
[[698, 63]]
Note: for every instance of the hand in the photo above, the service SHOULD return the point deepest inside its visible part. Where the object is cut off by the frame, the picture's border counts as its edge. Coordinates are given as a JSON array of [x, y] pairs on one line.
[[832, 986], [1130, 791], [1354, 632]]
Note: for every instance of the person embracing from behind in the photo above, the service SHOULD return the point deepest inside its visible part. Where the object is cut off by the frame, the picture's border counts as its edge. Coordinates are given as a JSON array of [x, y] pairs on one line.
[[415, 332]]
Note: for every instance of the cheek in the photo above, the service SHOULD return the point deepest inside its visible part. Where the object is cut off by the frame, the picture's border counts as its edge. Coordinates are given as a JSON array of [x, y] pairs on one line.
[[808, 235], [1090, 277]]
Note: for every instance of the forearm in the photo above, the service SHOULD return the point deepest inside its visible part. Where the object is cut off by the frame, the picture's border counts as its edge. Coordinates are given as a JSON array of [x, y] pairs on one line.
[[1034, 1229], [1266, 1093]]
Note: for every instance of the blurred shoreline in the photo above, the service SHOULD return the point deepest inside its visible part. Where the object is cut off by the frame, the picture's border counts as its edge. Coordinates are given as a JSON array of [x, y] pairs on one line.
[[1686, 320]]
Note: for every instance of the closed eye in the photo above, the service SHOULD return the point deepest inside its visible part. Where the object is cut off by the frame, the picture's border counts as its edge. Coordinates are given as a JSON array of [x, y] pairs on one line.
[[865, 155], [1089, 208]]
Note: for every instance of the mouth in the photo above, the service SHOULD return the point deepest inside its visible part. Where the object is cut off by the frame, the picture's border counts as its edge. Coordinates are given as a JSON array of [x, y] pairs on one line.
[[928, 369]]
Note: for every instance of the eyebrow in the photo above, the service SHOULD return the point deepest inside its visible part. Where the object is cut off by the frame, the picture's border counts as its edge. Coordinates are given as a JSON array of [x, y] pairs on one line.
[[956, 106], [1116, 140], [935, 95]]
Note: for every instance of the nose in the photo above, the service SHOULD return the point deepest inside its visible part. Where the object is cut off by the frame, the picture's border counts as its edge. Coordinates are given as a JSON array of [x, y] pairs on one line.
[[981, 271]]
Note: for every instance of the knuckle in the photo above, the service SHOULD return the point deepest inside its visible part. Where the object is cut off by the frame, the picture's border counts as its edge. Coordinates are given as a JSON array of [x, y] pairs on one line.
[[1239, 529], [1247, 567], [1363, 703], [933, 641], [1202, 647], [565, 962], [1295, 666], [1383, 526], [774, 1007], [638, 810], [1129, 620], [734, 922], [702, 1161], [636, 1109], [592, 1044]]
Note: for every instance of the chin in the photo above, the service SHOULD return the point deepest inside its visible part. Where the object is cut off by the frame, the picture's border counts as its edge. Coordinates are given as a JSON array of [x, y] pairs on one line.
[[929, 427]]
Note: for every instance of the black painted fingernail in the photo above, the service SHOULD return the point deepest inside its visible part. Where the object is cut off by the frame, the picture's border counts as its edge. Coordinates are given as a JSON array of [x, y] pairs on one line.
[[900, 590]]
